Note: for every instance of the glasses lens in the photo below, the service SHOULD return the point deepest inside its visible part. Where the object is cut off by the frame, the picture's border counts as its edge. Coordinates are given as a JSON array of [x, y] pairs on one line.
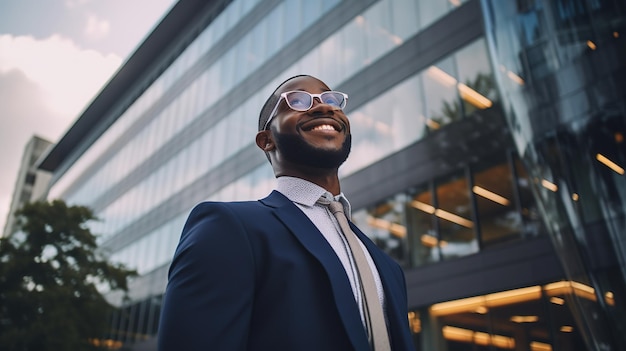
[[333, 98], [299, 100]]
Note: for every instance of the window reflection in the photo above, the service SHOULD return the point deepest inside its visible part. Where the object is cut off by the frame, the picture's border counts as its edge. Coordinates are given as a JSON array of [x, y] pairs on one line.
[[530, 318], [532, 223], [476, 83], [495, 202], [430, 11], [220, 77], [384, 224], [455, 218], [377, 30], [404, 14], [441, 97], [423, 238], [417, 230], [435, 220], [385, 125]]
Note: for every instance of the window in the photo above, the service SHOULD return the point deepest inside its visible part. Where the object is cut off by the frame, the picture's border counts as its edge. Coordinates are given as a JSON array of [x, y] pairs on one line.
[[479, 206], [384, 224], [423, 238], [495, 202], [528, 318], [440, 93], [455, 217], [476, 84]]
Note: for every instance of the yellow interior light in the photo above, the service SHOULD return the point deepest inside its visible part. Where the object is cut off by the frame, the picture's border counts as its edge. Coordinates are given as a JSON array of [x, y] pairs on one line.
[[557, 300], [524, 319], [591, 45], [612, 165], [428, 240], [609, 298], [540, 346], [473, 97], [491, 195], [514, 77], [478, 338], [481, 310], [549, 185]]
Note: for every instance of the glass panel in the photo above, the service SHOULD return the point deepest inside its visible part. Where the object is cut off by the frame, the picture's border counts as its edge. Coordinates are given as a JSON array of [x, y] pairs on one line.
[[441, 98], [377, 30], [533, 225], [408, 123], [528, 318], [372, 134], [476, 82], [310, 9], [405, 15], [422, 234], [454, 212], [353, 43], [387, 124], [495, 201], [275, 31], [430, 11], [384, 224], [328, 50], [293, 22]]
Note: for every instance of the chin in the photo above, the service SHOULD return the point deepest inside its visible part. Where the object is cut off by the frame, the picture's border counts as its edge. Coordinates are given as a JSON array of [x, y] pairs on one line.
[[296, 150]]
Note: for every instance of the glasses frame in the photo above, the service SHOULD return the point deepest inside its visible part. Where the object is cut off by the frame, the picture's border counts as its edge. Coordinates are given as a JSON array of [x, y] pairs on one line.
[[313, 96]]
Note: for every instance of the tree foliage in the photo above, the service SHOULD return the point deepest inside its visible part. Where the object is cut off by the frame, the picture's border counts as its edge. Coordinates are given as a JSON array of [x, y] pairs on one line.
[[49, 273]]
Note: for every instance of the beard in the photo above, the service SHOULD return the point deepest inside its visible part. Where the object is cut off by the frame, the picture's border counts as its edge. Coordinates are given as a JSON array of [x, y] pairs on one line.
[[296, 150]]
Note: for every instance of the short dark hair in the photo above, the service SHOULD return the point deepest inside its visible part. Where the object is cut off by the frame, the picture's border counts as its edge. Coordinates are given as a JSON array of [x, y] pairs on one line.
[[271, 102]]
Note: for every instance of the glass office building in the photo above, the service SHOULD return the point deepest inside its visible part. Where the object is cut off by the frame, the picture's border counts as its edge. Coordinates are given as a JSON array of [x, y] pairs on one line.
[[487, 154]]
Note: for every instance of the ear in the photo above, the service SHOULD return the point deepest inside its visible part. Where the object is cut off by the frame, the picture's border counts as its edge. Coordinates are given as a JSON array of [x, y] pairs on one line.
[[265, 141]]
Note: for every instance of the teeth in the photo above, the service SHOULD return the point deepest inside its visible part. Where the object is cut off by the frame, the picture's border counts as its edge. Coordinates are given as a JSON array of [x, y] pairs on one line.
[[324, 127]]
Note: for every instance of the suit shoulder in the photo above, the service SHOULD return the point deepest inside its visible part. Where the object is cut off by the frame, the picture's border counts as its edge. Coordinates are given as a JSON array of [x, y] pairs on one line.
[[240, 211], [235, 207]]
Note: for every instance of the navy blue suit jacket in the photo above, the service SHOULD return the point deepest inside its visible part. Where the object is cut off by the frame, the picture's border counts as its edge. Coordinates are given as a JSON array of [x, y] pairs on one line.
[[258, 275]]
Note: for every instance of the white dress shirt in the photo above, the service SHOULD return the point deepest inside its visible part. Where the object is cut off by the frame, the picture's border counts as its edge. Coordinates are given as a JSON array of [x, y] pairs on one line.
[[304, 195]]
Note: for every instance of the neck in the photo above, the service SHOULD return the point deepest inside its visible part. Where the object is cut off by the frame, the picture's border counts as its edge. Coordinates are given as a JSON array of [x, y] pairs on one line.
[[327, 179]]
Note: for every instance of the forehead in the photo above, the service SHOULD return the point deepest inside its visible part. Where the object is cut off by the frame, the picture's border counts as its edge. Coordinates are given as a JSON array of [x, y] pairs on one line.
[[306, 83]]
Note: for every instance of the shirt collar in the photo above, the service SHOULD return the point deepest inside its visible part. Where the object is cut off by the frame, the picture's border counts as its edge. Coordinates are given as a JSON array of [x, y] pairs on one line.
[[306, 193]]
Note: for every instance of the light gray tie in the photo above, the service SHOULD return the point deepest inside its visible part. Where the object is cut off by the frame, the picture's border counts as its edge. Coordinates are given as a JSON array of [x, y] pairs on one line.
[[373, 310]]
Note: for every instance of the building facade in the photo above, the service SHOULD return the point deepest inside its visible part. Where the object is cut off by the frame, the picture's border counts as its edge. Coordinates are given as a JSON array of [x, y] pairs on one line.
[[31, 183], [472, 121]]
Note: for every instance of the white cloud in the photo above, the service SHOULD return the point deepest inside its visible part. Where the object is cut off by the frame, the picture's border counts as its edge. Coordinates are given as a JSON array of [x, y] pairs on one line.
[[44, 85], [75, 3], [96, 28], [69, 76]]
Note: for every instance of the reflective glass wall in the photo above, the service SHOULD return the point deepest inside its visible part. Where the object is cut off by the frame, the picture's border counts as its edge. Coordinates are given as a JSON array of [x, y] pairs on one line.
[[161, 144], [479, 207], [534, 318], [560, 68], [187, 127]]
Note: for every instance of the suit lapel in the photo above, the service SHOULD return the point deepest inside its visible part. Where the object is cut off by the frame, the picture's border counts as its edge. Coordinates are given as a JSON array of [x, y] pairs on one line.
[[313, 241]]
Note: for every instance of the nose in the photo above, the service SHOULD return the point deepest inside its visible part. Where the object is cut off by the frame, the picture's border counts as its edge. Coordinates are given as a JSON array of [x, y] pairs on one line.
[[321, 107]]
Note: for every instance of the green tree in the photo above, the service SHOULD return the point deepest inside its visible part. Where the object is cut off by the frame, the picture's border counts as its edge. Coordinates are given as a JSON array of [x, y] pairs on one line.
[[50, 271]]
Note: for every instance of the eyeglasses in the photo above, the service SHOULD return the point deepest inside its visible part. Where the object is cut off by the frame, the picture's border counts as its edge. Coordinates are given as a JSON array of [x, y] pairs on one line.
[[303, 101]]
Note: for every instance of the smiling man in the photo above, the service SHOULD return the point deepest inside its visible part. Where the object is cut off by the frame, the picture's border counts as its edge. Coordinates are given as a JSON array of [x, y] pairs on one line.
[[288, 272]]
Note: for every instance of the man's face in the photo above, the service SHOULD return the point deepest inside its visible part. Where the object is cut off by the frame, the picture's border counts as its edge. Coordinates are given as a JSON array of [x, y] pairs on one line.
[[319, 137]]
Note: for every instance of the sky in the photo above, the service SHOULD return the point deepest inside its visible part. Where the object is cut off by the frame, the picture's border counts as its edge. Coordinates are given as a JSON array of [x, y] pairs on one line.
[[55, 56]]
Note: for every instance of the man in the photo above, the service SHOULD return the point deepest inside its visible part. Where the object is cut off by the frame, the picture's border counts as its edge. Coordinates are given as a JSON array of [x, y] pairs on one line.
[[280, 273]]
